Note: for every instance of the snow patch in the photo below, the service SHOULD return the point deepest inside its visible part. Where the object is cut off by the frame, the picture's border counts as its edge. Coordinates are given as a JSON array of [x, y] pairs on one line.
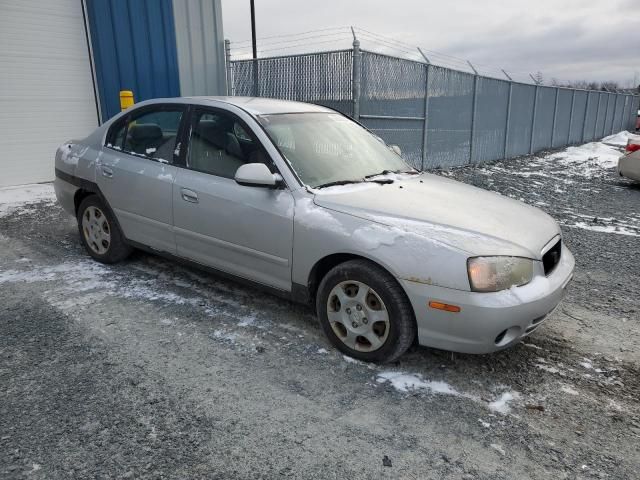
[[619, 139], [223, 335], [404, 382], [314, 217], [586, 160], [373, 236], [18, 199], [352, 360], [501, 405], [247, 320], [569, 390], [588, 364], [498, 449], [616, 229], [548, 368]]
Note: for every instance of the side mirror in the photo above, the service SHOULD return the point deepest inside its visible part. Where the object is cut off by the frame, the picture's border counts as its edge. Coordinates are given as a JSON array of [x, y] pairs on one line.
[[257, 175], [395, 149]]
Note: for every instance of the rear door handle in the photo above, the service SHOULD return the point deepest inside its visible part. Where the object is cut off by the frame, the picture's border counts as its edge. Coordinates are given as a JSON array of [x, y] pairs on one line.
[[189, 195], [106, 171]]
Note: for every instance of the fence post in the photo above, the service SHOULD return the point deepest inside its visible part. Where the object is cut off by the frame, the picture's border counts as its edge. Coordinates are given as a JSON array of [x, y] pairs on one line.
[[606, 114], [256, 85], [625, 118], [474, 108], [533, 119], [595, 127], [425, 126], [573, 103], [584, 120], [506, 128], [615, 108], [356, 77], [555, 117], [227, 58]]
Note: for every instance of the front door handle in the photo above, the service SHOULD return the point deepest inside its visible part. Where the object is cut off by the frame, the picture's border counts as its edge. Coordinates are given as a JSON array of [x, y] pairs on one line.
[[189, 195], [106, 171]]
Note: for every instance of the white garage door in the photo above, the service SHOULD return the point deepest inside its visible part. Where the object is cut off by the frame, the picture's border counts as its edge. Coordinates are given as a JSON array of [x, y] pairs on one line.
[[46, 89]]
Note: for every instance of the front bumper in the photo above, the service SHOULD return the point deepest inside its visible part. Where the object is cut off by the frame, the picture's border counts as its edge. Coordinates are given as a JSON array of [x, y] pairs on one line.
[[629, 166], [487, 322]]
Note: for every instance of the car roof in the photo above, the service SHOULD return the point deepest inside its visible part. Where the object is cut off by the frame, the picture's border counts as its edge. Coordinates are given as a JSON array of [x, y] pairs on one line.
[[263, 106]]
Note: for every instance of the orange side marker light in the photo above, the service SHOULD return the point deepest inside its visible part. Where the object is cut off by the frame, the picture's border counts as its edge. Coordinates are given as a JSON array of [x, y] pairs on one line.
[[444, 306]]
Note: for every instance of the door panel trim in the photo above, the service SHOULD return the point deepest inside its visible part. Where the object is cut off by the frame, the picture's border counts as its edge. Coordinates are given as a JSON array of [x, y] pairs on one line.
[[282, 262]]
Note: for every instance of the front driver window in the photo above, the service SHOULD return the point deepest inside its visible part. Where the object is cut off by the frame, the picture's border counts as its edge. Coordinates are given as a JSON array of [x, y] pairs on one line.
[[220, 144], [153, 134]]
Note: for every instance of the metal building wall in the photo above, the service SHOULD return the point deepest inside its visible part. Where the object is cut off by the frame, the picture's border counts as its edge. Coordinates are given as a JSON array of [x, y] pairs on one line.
[[200, 47], [134, 48]]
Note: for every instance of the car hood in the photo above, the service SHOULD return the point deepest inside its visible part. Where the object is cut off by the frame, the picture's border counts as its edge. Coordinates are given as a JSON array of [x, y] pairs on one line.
[[471, 219]]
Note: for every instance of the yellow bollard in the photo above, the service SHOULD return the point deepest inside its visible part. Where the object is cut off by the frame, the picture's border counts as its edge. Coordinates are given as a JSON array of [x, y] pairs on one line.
[[126, 99]]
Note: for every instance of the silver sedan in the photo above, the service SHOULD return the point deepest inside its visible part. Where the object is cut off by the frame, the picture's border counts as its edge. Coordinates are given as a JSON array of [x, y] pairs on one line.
[[304, 202]]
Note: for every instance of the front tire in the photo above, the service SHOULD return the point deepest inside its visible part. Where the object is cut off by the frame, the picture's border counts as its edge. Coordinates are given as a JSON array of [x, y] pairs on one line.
[[364, 312], [99, 231]]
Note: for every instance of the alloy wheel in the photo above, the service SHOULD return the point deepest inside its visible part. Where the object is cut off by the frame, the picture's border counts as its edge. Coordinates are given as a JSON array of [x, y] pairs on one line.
[[96, 229], [358, 316]]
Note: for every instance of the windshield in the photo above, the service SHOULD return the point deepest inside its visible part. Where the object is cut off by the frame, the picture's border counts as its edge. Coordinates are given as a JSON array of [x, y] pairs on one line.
[[327, 148]]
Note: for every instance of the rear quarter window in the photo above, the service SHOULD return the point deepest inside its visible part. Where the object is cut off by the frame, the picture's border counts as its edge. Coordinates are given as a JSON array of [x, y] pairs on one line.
[[116, 135]]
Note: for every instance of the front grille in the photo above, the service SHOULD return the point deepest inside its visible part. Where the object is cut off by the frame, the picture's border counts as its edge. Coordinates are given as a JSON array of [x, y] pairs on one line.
[[551, 259]]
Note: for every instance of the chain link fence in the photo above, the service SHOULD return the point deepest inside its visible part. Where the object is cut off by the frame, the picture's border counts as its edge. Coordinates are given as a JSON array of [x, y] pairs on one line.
[[438, 116]]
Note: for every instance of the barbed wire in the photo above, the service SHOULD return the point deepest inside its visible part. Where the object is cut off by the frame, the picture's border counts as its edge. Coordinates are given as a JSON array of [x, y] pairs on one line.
[[347, 28], [306, 44], [306, 41], [285, 42]]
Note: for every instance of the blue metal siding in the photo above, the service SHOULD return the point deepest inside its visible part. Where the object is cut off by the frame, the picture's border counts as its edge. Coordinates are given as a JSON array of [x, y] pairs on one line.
[[134, 48]]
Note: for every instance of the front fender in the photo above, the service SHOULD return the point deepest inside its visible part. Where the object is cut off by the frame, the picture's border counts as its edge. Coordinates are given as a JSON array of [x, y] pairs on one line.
[[319, 232]]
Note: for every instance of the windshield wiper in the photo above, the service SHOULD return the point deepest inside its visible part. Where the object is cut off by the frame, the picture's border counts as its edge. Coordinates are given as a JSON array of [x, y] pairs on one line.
[[386, 172], [338, 182]]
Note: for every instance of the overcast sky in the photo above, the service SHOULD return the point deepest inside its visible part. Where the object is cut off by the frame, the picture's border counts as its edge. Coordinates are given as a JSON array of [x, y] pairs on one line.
[[566, 39]]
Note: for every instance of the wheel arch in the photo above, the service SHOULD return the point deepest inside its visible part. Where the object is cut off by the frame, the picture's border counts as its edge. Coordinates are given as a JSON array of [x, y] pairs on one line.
[[86, 189], [79, 196], [326, 263]]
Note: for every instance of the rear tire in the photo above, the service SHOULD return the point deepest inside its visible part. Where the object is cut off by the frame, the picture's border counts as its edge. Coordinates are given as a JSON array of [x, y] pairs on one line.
[[100, 233], [364, 312]]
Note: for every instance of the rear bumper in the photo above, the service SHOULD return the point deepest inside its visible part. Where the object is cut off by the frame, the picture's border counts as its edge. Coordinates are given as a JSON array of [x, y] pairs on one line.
[[487, 322], [65, 193]]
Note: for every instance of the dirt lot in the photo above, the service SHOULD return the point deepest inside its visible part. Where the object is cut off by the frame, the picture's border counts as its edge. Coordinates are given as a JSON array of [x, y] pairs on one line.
[[151, 370]]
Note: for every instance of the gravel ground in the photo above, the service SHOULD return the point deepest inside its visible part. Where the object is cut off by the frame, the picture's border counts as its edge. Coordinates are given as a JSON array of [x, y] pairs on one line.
[[151, 370]]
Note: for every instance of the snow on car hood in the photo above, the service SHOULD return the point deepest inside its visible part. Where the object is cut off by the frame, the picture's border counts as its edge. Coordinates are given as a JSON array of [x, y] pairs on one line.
[[466, 217]]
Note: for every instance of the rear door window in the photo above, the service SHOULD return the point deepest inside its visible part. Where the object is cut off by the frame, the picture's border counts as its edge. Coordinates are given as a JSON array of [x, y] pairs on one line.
[[151, 133]]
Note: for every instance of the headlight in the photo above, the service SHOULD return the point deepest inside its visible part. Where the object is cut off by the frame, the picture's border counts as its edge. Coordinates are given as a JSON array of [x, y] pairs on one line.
[[491, 274]]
